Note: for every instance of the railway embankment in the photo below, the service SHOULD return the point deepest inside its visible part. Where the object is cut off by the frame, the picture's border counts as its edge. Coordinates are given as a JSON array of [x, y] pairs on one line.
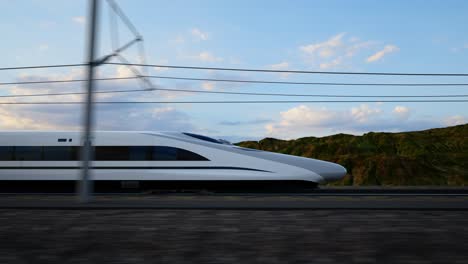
[[242, 228], [232, 236]]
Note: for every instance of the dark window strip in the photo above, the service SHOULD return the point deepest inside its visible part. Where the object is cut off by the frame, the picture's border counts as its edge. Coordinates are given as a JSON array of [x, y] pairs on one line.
[[133, 168], [101, 153]]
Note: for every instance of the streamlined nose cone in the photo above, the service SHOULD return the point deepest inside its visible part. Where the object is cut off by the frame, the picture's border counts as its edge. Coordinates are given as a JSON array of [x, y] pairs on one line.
[[333, 172], [328, 171]]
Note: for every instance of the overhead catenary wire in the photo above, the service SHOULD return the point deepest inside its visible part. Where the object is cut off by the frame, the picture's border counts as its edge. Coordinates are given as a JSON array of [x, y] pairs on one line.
[[289, 71], [238, 69], [42, 66], [154, 88], [235, 93], [236, 81], [302, 83], [238, 102], [67, 81], [145, 81], [72, 93]]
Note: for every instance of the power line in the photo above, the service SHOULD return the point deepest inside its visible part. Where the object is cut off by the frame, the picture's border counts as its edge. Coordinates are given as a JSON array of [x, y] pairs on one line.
[[144, 80], [304, 95], [204, 91], [237, 102], [73, 93], [67, 81], [236, 81], [303, 83], [290, 71], [237, 93], [42, 66], [247, 70]]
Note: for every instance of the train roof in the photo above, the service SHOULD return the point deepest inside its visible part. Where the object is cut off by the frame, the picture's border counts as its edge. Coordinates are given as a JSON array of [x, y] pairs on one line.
[[172, 134]]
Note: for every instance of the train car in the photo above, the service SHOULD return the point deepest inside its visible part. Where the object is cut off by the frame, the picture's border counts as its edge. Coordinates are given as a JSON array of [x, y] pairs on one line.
[[152, 160]]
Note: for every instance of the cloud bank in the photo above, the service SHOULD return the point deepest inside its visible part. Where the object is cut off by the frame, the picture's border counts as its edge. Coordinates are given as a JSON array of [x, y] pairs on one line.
[[380, 54], [305, 120], [340, 50]]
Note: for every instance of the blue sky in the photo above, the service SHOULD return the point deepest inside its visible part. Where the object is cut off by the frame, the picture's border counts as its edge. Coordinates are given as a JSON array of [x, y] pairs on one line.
[[388, 36]]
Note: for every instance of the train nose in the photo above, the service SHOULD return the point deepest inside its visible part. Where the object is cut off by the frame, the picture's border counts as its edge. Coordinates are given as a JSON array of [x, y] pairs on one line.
[[329, 171], [332, 172]]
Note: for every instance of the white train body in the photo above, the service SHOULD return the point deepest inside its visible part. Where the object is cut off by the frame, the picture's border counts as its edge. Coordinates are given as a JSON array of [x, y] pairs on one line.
[[150, 156]]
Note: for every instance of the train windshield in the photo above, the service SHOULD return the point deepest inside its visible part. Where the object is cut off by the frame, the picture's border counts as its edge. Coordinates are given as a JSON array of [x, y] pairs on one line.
[[205, 138]]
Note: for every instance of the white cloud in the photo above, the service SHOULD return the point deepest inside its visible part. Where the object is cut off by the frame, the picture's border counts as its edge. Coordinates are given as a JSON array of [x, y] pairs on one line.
[[402, 112], [206, 56], [109, 117], [455, 120], [79, 20], [356, 47], [326, 52], [123, 72], [363, 113], [305, 120], [304, 114], [380, 54], [195, 34], [332, 64], [198, 34], [335, 52], [15, 120], [302, 120], [282, 66], [143, 118], [325, 48]]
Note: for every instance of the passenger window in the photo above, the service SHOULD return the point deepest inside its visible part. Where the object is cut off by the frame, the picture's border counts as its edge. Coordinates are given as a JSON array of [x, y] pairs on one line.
[[140, 153], [164, 153], [111, 153], [170, 153], [28, 153], [7, 153], [60, 153], [183, 154], [101, 153]]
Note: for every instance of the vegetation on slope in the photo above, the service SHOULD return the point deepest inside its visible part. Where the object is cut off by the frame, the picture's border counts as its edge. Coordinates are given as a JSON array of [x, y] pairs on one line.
[[431, 157]]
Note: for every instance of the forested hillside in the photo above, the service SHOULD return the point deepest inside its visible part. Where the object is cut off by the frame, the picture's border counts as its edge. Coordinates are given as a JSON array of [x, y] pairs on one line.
[[431, 157]]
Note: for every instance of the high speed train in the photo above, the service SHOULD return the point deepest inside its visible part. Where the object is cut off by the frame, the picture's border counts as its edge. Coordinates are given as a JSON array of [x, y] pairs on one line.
[[143, 159]]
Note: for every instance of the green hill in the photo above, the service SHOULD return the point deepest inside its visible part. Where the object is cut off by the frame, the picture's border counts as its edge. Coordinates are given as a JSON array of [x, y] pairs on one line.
[[432, 157]]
